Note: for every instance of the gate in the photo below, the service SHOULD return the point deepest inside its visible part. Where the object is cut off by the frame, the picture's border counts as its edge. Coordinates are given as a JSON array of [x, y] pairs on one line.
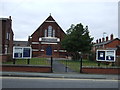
[[65, 66]]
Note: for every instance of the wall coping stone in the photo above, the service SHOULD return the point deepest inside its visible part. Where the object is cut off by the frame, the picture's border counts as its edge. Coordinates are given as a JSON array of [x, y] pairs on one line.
[[99, 67]]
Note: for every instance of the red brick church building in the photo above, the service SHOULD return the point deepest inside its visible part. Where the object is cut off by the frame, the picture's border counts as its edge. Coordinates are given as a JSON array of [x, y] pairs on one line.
[[46, 40]]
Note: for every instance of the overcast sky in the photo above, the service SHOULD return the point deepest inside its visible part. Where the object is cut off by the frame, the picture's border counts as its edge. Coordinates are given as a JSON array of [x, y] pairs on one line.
[[27, 15]]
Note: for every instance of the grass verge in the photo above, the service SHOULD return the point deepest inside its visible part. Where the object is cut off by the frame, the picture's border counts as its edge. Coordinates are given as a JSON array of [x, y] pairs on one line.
[[33, 61], [75, 65]]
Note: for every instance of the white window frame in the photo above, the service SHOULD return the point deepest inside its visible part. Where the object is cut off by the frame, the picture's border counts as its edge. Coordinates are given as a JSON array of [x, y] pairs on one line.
[[21, 51]]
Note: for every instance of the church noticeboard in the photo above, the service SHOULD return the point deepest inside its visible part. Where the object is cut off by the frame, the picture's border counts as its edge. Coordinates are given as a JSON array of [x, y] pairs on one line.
[[106, 55], [22, 52]]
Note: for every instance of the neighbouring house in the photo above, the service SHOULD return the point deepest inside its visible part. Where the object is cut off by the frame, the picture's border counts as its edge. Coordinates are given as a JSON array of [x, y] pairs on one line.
[[46, 40], [6, 39], [110, 44], [20, 43]]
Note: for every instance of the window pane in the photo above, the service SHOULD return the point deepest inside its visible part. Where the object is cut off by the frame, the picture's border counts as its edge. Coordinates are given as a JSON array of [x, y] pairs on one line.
[[53, 33], [45, 33], [49, 31]]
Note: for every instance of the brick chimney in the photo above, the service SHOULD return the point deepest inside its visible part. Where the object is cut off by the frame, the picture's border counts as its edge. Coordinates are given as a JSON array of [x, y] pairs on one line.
[[99, 40], [111, 37], [107, 38], [103, 39]]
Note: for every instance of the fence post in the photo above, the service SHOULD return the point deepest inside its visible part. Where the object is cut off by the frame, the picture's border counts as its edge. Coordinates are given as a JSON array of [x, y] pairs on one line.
[[13, 61], [81, 65], [28, 61], [66, 66], [51, 64], [99, 64], [113, 64]]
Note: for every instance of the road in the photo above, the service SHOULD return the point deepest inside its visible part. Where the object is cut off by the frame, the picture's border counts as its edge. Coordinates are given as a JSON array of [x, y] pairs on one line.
[[36, 82]]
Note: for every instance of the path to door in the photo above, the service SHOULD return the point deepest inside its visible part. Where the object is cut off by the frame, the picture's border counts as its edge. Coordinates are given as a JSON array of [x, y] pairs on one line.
[[59, 67]]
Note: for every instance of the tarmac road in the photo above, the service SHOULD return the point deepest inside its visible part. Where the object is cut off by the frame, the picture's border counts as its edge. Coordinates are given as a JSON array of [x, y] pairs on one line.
[[37, 82]]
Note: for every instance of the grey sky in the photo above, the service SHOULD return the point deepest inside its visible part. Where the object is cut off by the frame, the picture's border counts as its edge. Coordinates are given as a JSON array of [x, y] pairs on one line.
[[27, 15]]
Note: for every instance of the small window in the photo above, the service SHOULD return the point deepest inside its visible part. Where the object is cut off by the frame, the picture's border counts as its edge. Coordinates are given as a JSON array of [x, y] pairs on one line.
[[6, 50], [8, 36], [49, 31], [45, 33], [53, 33]]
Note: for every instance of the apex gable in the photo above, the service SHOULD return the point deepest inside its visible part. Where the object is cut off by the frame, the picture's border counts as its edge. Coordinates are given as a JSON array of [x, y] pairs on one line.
[[50, 19]]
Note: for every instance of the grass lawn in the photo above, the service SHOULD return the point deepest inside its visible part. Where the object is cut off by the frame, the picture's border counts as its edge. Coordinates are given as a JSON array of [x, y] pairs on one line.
[[33, 61], [75, 65]]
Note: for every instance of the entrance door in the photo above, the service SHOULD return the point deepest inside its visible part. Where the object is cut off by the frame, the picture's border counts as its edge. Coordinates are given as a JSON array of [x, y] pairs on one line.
[[49, 50]]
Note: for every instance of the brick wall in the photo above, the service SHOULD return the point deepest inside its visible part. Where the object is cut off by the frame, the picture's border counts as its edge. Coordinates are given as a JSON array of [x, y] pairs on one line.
[[113, 44], [5, 58], [26, 68], [95, 70]]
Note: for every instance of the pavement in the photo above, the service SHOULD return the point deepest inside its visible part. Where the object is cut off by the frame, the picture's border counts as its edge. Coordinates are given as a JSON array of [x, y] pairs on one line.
[[61, 75]]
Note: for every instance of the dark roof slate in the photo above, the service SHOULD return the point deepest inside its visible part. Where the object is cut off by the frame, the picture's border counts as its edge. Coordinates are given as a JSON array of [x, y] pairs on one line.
[[20, 43]]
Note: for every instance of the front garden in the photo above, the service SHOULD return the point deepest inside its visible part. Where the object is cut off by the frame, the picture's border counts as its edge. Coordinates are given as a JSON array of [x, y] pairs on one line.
[[75, 65]]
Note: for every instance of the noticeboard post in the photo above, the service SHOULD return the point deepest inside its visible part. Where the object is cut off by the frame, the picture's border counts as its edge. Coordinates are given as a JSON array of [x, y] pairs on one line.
[[22, 52], [106, 55]]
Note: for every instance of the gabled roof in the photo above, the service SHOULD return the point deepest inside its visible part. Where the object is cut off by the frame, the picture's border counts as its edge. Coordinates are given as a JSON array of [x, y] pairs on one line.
[[106, 42], [50, 20]]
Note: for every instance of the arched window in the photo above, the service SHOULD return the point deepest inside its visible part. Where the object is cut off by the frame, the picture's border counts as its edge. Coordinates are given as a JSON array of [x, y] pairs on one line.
[[45, 33], [49, 31], [53, 33]]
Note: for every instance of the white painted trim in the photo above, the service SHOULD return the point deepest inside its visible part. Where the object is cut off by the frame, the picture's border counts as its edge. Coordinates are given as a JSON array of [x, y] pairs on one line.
[[35, 50], [40, 39], [35, 42], [49, 21], [47, 43], [42, 50], [62, 50], [55, 50], [49, 38]]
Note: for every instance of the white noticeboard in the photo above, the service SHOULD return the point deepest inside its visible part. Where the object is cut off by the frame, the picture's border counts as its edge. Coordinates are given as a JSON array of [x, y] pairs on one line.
[[22, 52], [106, 55]]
